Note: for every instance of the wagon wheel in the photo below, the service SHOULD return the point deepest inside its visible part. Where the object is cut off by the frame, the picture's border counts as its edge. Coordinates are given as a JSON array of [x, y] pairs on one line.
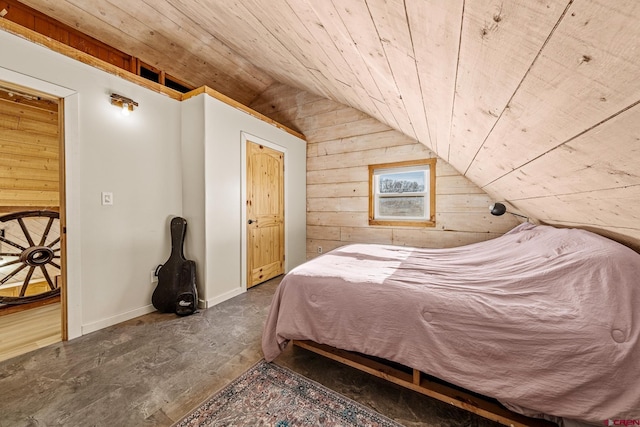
[[29, 256]]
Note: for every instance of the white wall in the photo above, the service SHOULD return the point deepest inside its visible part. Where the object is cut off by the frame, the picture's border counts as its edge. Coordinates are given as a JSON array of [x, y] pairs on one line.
[[222, 264], [138, 158]]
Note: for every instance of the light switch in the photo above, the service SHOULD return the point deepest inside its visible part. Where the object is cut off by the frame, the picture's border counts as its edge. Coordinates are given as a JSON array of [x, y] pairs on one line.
[[107, 198]]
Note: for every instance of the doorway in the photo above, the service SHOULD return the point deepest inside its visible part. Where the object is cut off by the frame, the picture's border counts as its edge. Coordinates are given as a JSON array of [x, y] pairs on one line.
[[264, 212], [31, 238]]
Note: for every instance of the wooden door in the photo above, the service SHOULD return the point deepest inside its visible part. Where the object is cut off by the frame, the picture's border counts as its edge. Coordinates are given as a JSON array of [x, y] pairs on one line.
[[265, 213]]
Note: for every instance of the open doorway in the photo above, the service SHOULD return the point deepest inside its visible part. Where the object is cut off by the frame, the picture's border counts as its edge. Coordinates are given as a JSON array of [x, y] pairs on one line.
[[31, 205]]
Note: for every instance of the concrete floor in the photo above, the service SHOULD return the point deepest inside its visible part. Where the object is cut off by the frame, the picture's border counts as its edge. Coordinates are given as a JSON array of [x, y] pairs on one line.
[[152, 370]]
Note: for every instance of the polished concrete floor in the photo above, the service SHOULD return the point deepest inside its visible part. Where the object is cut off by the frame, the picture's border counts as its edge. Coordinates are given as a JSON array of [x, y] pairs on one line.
[[150, 371]]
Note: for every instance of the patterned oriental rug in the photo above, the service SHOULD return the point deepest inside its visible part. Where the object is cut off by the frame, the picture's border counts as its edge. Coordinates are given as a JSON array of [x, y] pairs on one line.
[[270, 395]]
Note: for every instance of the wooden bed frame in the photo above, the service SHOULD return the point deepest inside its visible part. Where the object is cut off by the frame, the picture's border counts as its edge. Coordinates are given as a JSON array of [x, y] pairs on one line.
[[422, 383]]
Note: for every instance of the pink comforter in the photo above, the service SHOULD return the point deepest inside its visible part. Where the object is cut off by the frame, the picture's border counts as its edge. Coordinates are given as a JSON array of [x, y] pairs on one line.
[[545, 320]]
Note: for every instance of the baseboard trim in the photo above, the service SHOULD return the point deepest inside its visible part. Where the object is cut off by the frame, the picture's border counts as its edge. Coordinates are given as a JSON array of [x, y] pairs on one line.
[[110, 321], [225, 296]]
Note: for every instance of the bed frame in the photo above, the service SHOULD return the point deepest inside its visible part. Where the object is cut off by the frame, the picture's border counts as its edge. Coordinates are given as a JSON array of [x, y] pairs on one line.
[[422, 383]]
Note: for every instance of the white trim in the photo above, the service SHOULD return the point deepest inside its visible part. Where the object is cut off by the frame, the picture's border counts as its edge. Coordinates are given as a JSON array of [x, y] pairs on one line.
[[222, 298], [72, 189], [33, 83], [114, 320], [72, 210], [245, 136]]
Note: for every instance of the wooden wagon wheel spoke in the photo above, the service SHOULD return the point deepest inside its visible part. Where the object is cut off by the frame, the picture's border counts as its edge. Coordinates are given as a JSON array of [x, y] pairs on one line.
[[12, 274], [41, 259], [15, 261], [45, 234], [25, 284], [15, 245], [46, 275], [26, 232]]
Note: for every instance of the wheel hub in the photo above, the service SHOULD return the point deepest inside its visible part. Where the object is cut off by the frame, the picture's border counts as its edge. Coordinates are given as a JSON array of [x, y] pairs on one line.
[[37, 255]]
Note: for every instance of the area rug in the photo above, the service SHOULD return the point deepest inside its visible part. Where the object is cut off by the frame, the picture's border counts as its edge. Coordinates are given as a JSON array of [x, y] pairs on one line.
[[270, 395]]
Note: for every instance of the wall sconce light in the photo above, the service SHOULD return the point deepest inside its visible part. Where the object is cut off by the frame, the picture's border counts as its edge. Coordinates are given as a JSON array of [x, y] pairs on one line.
[[498, 209], [127, 104]]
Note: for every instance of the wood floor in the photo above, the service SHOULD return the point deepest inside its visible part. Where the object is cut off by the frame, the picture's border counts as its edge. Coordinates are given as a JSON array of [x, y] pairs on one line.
[[29, 330], [150, 371]]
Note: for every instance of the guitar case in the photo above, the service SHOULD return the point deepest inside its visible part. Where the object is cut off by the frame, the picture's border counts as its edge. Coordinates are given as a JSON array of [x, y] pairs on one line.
[[176, 291]]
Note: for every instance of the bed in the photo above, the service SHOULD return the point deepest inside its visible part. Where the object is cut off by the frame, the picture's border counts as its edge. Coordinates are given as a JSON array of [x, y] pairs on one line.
[[543, 319]]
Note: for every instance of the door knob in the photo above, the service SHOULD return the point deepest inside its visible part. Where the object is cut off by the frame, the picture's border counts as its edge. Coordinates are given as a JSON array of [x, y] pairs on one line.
[[251, 221]]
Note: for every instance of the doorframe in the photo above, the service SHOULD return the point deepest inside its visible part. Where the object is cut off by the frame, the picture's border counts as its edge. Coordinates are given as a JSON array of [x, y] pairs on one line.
[[245, 138], [69, 192]]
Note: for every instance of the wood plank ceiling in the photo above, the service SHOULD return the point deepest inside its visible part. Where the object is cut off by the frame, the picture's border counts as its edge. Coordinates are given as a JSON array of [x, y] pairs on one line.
[[535, 101]]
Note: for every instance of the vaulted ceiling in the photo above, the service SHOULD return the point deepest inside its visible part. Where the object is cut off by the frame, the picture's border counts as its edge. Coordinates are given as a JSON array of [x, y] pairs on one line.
[[535, 101]]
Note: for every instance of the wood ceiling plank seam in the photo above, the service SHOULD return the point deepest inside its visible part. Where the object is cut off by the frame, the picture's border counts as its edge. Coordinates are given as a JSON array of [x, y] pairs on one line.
[[297, 47], [226, 20], [313, 25], [175, 58], [86, 21], [436, 28], [587, 73], [90, 24], [295, 71], [360, 24], [526, 74], [280, 96], [236, 66], [320, 37], [630, 116], [609, 208], [378, 62], [586, 225], [339, 36], [352, 55], [224, 52], [392, 27], [499, 42]]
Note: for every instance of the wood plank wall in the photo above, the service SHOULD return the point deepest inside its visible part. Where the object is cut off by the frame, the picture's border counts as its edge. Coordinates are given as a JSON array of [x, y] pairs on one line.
[[342, 142], [29, 153]]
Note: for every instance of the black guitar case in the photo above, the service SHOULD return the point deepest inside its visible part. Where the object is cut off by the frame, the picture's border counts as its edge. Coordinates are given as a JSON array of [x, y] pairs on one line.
[[176, 291]]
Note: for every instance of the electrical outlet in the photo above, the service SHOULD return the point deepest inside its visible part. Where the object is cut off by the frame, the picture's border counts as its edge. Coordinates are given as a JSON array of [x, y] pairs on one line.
[[319, 249], [154, 278]]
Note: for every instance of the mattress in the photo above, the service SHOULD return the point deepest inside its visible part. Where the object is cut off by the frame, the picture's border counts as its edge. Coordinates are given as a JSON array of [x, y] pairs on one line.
[[545, 320]]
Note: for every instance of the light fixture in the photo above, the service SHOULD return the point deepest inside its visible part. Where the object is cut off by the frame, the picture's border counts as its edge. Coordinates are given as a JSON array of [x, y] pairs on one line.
[[127, 104], [498, 209]]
